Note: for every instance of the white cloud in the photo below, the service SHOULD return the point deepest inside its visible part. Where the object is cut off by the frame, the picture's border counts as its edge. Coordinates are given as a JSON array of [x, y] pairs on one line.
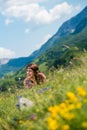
[[6, 53], [44, 16], [29, 10], [8, 21]]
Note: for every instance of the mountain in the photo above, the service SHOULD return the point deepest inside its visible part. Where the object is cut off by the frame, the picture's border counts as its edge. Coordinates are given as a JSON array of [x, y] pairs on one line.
[[70, 27], [66, 50], [15, 64], [82, 24], [67, 27]]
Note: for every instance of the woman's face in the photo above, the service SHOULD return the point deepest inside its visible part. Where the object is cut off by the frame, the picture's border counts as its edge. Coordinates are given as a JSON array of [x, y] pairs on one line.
[[29, 72]]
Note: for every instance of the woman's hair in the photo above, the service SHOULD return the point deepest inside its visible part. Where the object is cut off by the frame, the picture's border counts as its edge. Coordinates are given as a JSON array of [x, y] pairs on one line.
[[33, 66], [36, 71]]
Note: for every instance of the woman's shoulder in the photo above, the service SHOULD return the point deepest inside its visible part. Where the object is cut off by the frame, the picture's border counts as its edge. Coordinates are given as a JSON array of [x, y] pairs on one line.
[[42, 75]]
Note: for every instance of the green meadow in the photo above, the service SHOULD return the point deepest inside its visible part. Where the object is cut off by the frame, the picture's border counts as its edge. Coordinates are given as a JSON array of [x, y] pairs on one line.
[[59, 104]]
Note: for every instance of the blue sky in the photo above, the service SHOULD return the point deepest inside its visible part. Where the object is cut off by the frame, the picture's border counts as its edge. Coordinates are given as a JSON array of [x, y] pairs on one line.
[[27, 24]]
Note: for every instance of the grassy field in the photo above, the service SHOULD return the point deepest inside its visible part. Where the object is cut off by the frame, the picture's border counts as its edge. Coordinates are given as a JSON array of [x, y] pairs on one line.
[[59, 104]]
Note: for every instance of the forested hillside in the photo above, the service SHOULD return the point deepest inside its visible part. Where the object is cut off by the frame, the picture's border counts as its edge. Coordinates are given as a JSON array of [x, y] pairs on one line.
[[70, 47]]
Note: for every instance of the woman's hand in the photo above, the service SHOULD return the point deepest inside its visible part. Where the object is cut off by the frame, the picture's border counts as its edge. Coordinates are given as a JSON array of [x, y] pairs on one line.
[[28, 82]]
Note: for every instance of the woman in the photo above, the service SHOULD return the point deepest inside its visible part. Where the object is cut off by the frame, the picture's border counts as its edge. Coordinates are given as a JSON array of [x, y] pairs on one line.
[[33, 76]]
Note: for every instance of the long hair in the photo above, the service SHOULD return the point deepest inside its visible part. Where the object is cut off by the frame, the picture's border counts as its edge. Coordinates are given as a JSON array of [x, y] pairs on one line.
[[36, 71]]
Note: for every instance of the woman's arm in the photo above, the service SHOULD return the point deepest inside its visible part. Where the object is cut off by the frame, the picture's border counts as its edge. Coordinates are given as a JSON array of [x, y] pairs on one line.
[[42, 75]]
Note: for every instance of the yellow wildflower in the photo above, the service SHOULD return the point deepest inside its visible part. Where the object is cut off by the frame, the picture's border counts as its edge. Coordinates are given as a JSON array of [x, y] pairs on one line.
[[63, 111], [52, 124], [20, 121], [50, 97], [72, 96], [54, 109], [81, 91], [84, 124], [63, 108], [85, 100], [65, 127], [37, 110], [63, 105], [27, 122], [71, 107], [0, 120], [69, 116], [78, 105]]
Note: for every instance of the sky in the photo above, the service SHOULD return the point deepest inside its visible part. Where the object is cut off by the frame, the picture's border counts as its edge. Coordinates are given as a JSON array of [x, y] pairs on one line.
[[25, 25]]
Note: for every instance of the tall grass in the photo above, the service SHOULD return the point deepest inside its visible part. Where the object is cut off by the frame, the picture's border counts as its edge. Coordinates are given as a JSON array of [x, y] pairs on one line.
[[59, 104]]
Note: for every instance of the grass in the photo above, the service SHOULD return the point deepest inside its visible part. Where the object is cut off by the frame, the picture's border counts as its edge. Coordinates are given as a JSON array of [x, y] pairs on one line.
[[58, 104]]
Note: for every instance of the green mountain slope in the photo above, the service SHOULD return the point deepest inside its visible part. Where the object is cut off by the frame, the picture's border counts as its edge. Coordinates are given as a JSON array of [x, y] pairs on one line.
[[67, 49]]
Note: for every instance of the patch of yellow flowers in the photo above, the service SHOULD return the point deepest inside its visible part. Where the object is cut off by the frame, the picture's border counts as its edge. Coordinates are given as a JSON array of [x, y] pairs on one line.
[[71, 111]]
